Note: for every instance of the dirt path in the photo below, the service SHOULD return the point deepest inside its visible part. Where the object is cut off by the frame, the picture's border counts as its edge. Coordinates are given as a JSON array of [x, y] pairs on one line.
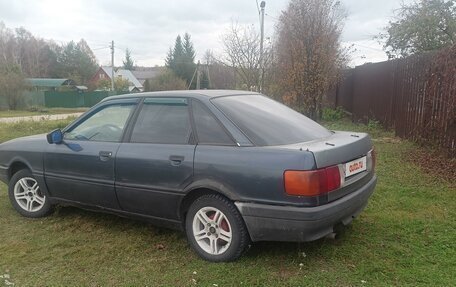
[[39, 118]]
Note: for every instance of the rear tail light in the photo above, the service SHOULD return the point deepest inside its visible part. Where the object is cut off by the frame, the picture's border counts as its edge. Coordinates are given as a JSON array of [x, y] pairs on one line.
[[374, 158], [312, 182]]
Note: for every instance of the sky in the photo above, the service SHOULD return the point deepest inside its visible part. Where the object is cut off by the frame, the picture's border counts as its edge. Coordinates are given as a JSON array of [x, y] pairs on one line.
[[149, 27]]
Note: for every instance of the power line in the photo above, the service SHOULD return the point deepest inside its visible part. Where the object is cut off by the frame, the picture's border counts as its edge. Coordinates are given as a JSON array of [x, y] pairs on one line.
[[98, 44], [123, 49], [275, 18], [106, 47], [367, 47]]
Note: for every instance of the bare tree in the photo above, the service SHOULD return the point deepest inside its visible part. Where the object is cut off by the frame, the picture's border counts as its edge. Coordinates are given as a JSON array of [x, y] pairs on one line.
[[19, 48], [220, 74], [8, 53], [242, 52], [34, 54], [12, 84], [309, 52]]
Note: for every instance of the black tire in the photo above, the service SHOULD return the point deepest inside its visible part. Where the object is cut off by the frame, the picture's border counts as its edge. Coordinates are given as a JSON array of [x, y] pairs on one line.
[[240, 239], [42, 208]]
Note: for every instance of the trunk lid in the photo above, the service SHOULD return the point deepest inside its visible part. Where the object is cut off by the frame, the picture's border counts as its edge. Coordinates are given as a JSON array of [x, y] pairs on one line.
[[340, 147]]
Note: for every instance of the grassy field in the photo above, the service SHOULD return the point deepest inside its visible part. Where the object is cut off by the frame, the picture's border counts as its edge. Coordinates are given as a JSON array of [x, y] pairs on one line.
[[13, 130], [44, 111], [405, 237]]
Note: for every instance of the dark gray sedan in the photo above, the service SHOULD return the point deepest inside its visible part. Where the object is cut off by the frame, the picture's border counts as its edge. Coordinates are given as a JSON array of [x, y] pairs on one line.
[[227, 167]]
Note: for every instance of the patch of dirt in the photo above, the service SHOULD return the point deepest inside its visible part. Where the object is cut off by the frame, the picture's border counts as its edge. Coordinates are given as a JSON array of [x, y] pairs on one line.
[[387, 140], [434, 163], [284, 273]]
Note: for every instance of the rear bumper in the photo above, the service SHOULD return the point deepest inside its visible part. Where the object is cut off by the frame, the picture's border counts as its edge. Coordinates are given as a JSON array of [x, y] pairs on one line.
[[288, 223]]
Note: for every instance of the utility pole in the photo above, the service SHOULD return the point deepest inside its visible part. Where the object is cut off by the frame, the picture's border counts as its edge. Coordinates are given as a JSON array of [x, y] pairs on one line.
[[260, 84], [198, 76], [112, 66], [209, 84]]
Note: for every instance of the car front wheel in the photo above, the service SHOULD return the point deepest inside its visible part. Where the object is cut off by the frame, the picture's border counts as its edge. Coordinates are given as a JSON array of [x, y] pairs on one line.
[[26, 195], [215, 229]]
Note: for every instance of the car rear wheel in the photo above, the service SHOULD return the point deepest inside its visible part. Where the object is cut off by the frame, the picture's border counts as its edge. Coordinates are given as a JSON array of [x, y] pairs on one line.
[[26, 195], [215, 229]]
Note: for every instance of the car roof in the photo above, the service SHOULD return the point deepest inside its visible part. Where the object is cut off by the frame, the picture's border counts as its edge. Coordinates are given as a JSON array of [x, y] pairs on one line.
[[183, 93]]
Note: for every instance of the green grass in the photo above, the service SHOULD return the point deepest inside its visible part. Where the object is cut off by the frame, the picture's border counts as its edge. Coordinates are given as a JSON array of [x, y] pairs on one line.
[[39, 111], [405, 237], [14, 130]]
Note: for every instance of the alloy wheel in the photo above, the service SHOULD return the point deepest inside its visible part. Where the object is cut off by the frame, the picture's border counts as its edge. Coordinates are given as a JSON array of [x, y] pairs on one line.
[[212, 230], [28, 195]]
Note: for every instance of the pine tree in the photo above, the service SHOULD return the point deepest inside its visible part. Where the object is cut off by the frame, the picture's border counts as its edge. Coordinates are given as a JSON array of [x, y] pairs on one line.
[[128, 63], [189, 51], [169, 61], [76, 61], [178, 51], [181, 58], [189, 65]]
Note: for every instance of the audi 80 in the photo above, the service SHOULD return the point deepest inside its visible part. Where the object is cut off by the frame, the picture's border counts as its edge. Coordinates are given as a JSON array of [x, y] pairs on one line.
[[226, 167]]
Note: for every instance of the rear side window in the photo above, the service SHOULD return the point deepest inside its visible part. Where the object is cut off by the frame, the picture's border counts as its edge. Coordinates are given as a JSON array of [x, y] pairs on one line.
[[266, 122], [164, 121], [208, 129]]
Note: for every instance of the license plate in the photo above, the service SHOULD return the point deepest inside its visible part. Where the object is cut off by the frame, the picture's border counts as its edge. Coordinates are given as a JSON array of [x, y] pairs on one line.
[[355, 166]]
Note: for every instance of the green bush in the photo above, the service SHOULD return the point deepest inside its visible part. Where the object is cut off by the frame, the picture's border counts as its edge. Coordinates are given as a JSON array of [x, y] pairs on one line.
[[331, 115], [374, 125]]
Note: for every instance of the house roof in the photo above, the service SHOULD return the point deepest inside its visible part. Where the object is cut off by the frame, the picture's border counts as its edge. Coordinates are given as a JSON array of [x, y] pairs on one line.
[[49, 82], [125, 74], [147, 74], [150, 73], [107, 70]]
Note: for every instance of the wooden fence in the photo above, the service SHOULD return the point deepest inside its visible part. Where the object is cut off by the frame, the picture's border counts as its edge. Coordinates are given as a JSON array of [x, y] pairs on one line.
[[416, 96]]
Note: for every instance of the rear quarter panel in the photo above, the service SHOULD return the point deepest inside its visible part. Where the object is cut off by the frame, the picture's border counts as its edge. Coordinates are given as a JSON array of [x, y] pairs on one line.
[[250, 174]]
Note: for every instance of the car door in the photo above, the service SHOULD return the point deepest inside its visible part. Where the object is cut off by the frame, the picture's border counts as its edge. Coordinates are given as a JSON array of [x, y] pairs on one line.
[[155, 166], [81, 169]]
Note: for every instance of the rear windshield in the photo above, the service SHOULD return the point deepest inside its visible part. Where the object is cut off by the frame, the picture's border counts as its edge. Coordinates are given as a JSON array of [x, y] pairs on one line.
[[266, 122]]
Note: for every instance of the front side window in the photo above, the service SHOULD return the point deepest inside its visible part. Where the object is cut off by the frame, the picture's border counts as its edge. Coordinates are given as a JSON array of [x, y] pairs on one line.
[[163, 121], [106, 125]]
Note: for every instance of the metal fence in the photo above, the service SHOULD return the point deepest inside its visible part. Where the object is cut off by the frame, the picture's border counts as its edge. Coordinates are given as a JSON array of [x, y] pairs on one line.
[[57, 99], [28, 99], [416, 96], [73, 99]]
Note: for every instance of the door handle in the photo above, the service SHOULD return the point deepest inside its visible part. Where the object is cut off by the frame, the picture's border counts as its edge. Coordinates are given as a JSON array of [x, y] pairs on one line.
[[176, 159], [105, 155]]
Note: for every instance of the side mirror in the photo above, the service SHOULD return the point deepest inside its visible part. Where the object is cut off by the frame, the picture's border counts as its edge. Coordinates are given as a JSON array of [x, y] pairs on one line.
[[55, 137]]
